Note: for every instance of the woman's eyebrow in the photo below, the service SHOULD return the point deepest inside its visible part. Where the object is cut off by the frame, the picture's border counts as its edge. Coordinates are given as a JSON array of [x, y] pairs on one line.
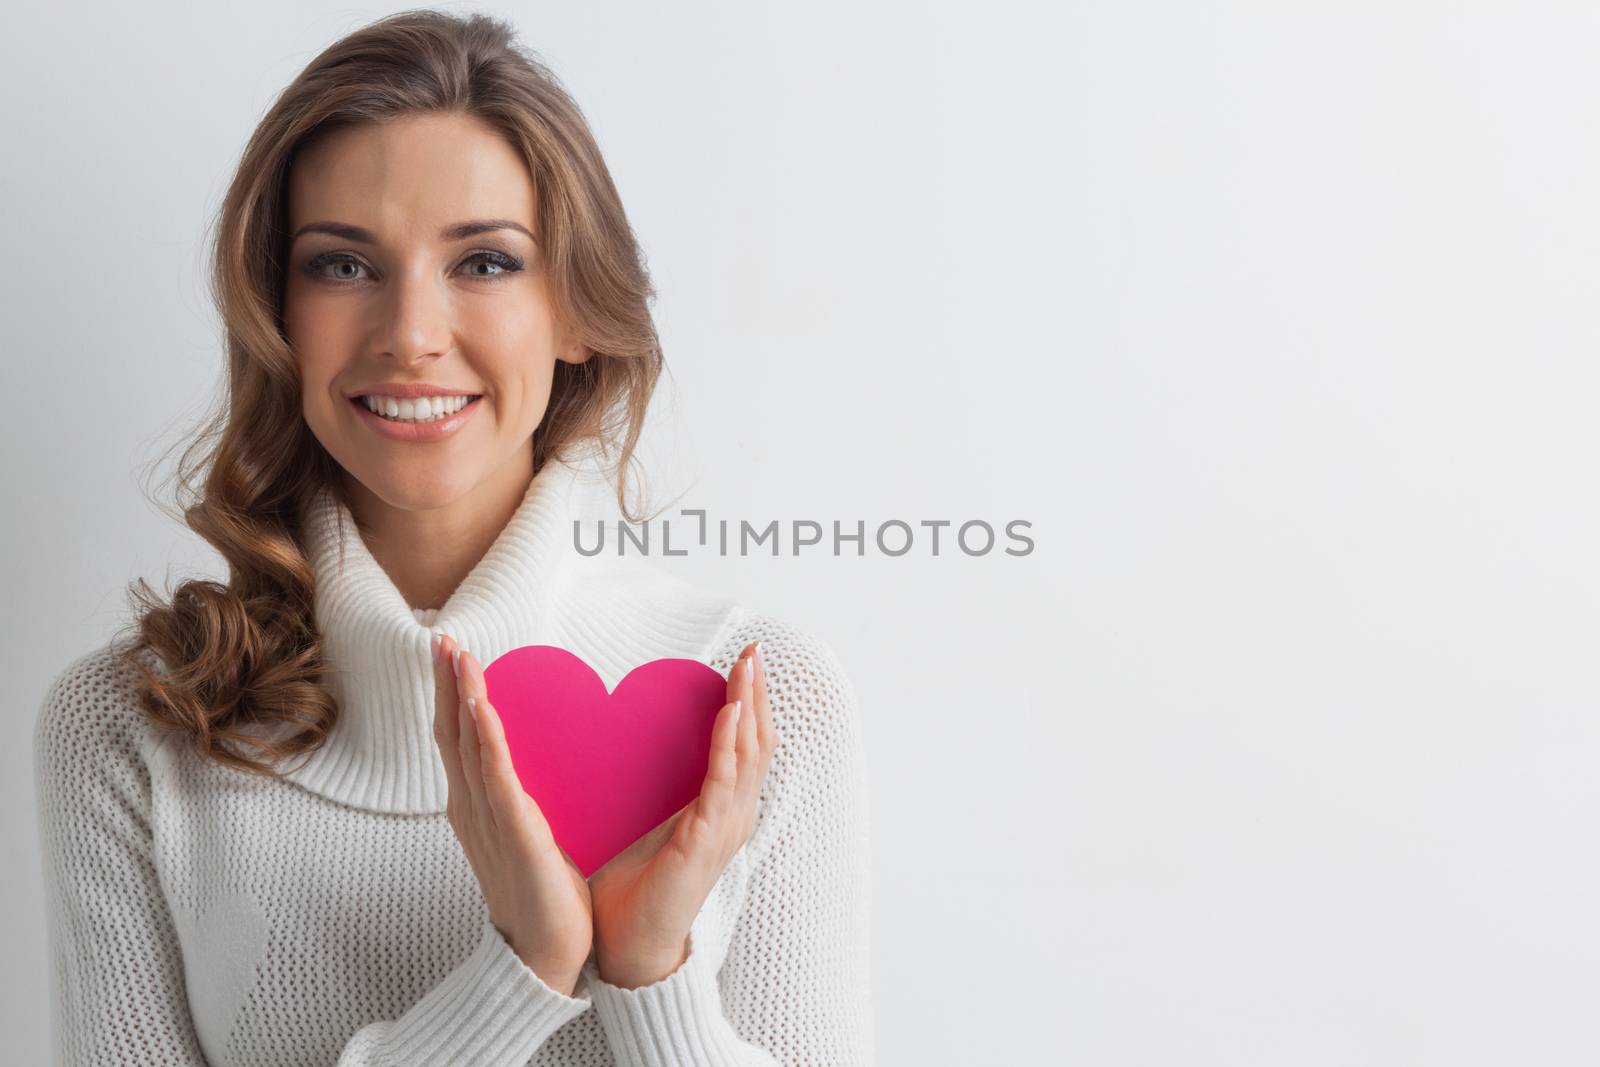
[[463, 230], [457, 232]]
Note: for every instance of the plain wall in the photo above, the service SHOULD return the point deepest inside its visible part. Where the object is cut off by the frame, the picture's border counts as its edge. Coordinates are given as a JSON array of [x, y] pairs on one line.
[[1277, 323]]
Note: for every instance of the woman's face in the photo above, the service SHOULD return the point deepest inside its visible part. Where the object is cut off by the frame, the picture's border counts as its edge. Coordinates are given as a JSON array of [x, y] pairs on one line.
[[395, 299]]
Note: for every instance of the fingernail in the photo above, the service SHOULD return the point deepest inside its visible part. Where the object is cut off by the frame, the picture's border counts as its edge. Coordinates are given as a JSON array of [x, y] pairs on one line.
[[455, 662], [736, 710], [757, 655], [472, 707]]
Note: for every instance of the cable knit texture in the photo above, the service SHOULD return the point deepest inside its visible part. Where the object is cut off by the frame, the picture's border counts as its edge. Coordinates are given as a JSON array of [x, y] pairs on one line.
[[200, 915]]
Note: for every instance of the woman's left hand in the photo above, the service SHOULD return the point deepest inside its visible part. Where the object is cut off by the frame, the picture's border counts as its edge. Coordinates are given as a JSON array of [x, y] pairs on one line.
[[646, 897]]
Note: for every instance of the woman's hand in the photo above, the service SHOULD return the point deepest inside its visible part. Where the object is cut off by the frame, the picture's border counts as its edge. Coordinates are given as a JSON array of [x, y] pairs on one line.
[[537, 897], [646, 897]]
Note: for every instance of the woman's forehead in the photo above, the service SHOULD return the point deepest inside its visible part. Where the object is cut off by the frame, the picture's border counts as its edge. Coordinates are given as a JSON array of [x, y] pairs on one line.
[[411, 177]]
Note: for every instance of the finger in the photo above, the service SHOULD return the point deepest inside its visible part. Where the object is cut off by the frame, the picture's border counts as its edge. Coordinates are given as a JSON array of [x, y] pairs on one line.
[[747, 744], [444, 688], [471, 745], [766, 732], [502, 788], [732, 688], [765, 743], [446, 724], [722, 769]]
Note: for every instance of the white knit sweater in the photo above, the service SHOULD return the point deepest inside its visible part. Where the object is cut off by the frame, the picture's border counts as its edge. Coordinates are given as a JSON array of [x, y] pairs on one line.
[[200, 915]]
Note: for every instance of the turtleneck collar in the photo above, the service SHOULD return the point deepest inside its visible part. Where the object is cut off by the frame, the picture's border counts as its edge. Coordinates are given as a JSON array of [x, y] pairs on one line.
[[531, 587]]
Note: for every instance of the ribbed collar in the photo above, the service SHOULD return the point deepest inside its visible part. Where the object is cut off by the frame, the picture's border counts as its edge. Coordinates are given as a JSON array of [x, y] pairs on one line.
[[531, 587]]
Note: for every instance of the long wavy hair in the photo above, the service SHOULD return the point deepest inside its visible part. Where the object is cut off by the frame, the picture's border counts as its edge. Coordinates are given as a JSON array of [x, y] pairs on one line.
[[241, 656]]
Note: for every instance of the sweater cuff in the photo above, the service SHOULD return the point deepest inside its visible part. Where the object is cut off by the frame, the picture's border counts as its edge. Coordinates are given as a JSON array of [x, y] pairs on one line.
[[492, 1010], [675, 1022]]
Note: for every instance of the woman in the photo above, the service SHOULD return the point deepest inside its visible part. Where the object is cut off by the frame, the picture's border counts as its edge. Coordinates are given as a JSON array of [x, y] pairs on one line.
[[280, 824]]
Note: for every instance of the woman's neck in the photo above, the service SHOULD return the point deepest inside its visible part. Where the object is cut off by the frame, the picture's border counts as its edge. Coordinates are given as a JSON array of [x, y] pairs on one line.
[[428, 551]]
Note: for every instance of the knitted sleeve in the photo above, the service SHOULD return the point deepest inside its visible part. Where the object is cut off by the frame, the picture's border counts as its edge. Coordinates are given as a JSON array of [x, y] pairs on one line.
[[118, 992], [794, 987]]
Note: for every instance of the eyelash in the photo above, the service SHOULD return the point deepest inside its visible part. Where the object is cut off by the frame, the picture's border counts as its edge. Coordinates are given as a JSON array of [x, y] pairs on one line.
[[508, 265]]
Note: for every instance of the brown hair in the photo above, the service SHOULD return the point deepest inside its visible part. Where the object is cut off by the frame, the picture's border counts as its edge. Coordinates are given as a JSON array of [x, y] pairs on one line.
[[247, 654]]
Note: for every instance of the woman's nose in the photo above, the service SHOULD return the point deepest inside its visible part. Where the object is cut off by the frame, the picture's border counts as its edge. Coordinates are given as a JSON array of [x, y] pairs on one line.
[[414, 317]]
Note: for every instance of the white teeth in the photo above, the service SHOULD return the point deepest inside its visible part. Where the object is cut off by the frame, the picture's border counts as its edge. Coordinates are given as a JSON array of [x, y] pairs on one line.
[[421, 409]]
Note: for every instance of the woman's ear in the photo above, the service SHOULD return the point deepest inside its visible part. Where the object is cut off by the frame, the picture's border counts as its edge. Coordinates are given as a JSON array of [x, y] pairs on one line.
[[576, 352]]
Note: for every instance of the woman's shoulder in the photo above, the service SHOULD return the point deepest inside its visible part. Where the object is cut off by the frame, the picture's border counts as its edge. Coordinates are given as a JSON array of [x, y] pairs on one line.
[[809, 691], [799, 660], [91, 709], [818, 777]]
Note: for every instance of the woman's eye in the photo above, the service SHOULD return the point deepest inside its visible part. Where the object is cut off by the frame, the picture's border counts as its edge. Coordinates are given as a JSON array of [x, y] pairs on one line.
[[347, 268], [503, 264], [316, 268]]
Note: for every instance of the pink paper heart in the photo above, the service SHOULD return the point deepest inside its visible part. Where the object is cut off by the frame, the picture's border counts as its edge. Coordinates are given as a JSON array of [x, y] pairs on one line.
[[605, 768]]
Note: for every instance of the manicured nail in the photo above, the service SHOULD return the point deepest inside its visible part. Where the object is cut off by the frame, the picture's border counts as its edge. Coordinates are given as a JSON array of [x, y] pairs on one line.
[[472, 706], [455, 661], [736, 710]]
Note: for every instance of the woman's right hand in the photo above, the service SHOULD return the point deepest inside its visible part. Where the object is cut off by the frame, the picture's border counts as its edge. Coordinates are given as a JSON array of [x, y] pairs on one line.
[[537, 897]]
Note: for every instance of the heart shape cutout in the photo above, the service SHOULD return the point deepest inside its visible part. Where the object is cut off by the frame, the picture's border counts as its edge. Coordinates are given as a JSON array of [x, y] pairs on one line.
[[605, 768], [226, 942]]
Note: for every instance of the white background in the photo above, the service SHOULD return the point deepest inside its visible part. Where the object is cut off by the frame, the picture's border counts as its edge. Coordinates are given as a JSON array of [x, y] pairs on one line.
[[1275, 320]]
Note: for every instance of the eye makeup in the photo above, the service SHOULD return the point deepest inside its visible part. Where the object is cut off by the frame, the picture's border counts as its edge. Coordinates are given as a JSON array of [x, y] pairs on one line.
[[314, 267]]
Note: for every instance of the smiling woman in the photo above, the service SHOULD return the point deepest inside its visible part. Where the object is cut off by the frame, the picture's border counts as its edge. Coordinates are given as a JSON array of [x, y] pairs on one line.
[[408, 274], [434, 307]]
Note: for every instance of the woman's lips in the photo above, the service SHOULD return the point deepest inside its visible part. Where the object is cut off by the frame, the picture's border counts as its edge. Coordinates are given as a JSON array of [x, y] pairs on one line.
[[437, 430]]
